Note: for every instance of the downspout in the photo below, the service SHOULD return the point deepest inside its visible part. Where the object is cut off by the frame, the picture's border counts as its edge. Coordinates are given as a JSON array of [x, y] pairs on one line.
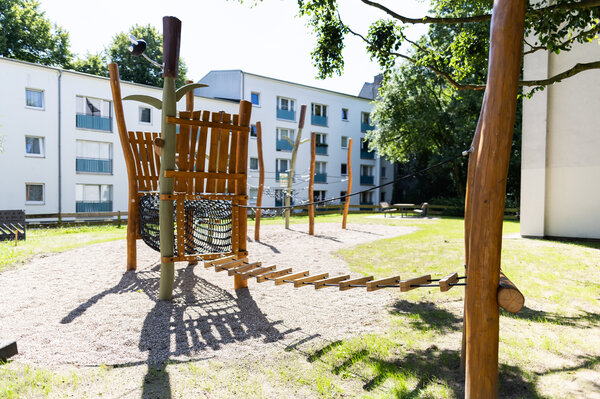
[[59, 147], [242, 84]]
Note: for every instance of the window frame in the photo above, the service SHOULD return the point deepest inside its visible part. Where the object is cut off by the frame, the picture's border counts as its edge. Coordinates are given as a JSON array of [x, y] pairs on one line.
[[322, 107], [343, 166], [140, 110], [32, 202], [40, 108], [342, 143], [250, 163], [347, 118], [42, 153], [291, 101], [257, 96], [253, 133]]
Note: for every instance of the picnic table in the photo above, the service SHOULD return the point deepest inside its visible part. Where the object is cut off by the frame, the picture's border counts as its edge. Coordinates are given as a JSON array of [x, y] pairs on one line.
[[404, 208]]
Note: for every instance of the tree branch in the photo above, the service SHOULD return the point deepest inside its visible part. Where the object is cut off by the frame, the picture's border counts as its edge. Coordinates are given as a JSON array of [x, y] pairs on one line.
[[480, 18], [594, 29], [578, 68]]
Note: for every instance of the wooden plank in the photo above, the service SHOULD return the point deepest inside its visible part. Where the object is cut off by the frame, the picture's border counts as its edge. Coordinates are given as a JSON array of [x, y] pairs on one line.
[[261, 181], [233, 156], [201, 157], [183, 149], [508, 295], [213, 175], [446, 281], [408, 285], [300, 283], [224, 135], [216, 124], [311, 184], [334, 280], [345, 285], [229, 265], [373, 285], [258, 272], [139, 175], [244, 268], [291, 277], [264, 277], [219, 261], [8, 349], [213, 153], [153, 170], [192, 152]]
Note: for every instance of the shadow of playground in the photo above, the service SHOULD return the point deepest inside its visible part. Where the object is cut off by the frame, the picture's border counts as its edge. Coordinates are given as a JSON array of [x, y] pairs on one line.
[[583, 320], [200, 316], [427, 316]]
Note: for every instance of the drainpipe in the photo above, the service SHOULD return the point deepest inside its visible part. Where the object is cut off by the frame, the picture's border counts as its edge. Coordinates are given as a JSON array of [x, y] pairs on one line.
[[242, 88], [59, 147]]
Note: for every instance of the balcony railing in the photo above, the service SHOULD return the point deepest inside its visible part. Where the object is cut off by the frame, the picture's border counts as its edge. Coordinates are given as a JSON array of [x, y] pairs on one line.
[[321, 149], [320, 177], [93, 206], [365, 154], [284, 145], [318, 120], [367, 180], [93, 165], [93, 122], [366, 126], [285, 114]]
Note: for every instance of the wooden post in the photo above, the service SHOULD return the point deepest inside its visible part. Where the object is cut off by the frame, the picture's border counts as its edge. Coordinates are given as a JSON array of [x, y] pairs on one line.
[[189, 98], [293, 165], [261, 180], [132, 206], [171, 41], [16, 237], [349, 190], [488, 170], [311, 184]]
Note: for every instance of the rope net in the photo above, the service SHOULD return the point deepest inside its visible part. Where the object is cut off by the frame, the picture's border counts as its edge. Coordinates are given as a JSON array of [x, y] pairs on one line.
[[207, 227]]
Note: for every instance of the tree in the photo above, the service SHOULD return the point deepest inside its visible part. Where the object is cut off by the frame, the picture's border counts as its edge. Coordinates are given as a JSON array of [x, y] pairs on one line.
[[137, 69], [95, 64], [26, 34], [556, 25]]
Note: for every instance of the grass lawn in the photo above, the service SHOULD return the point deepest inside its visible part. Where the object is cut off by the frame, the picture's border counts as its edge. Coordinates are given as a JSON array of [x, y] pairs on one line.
[[551, 349]]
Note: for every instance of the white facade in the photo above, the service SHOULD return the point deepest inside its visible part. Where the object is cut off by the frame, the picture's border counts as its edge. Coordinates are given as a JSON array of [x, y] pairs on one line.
[[277, 107], [560, 166]]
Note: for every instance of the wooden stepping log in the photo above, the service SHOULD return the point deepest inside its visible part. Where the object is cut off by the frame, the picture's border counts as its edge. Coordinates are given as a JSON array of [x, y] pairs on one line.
[[215, 262], [300, 283], [446, 281], [373, 285], [409, 284], [244, 268], [7, 349], [278, 273], [345, 285], [229, 265], [509, 297], [321, 283], [257, 272], [291, 277]]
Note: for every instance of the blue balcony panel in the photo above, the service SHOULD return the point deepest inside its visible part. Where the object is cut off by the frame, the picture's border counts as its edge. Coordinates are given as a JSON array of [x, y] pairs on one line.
[[93, 165], [93, 122], [367, 155], [284, 145], [93, 206], [318, 120], [321, 149], [366, 126], [285, 114], [320, 177], [367, 180]]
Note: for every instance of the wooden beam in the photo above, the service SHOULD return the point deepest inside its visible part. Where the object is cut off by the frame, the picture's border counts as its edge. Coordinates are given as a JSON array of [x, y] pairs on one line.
[[333, 280], [257, 272], [373, 285], [261, 181], [300, 282], [345, 285], [229, 265], [445, 283], [311, 184], [408, 285], [291, 277], [219, 261], [508, 295], [264, 277], [243, 268]]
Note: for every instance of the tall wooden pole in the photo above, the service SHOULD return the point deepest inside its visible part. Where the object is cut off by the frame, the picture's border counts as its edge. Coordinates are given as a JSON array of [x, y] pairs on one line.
[[293, 165], [171, 41], [311, 184], [486, 185], [261, 180], [349, 189]]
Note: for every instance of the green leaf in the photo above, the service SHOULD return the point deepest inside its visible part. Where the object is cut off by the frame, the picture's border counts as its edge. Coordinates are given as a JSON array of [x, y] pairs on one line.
[[155, 102], [183, 90]]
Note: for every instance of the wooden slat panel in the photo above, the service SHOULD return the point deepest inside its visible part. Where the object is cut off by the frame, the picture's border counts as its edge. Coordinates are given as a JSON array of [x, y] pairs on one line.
[[151, 165], [446, 281], [193, 150], [291, 277], [223, 152], [300, 282], [180, 213], [183, 148], [137, 154], [213, 153], [233, 155], [334, 280], [199, 186], [145, 154], [372, 285], [229, 265], [219, 261], [345, 285], [215, 123], [406, 285], [244, 268], [258, 272], [214, 175], [156, 161], [262, 278]]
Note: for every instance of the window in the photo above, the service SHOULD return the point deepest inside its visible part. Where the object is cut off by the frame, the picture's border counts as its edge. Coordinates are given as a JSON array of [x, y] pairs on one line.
[[382, 197], [34, 193], [342, 194], [321, 143], [34, 98], [319, 109], [366, 170], [253, 194], [286, 104], [319, 195], [365, 118], [93, 197], [253, 163], [281, 166], [255, 98], [282, 133], [344, 142], [344, 169], [344, 114], [34, 146], [93, 113], [252, 130], [283, 144], [383, 171], [366, 197], [145, 115], [93, 157], [320, 167]]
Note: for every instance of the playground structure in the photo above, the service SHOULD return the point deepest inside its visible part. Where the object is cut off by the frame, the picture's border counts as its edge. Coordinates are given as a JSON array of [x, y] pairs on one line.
[[488, 166]]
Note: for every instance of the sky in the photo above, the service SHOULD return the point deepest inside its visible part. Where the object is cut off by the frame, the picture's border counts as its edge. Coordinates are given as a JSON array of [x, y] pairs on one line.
[[266, 39]]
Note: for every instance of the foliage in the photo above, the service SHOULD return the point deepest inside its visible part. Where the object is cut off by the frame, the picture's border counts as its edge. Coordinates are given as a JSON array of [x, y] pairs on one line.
[[136, 69], [26, 34], [95, 64]]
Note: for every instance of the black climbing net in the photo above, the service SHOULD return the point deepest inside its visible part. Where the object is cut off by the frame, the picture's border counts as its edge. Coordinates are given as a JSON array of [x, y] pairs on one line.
[[207, 227]]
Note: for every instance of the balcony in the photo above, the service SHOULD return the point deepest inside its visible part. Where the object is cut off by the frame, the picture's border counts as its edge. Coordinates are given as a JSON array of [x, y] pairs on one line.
[[284, 145], [321, 149], [320, 177], [92, 165], [318, 120], [367, 180], [370, 208], [93, 206], [285, 114], [93, 122], [366, 126], [365, 154]]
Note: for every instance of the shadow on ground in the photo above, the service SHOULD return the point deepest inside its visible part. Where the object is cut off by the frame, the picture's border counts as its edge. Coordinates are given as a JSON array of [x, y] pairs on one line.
[[427, 316], [582, 320], [200, 316]]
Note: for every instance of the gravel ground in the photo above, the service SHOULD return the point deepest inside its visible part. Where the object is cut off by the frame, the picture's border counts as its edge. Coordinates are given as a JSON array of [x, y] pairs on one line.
[[80, 308]]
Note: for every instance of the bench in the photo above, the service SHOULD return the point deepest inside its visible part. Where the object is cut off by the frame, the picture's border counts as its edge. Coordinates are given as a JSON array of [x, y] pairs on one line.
[[421, 212], [386, 208], [10, 222]]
